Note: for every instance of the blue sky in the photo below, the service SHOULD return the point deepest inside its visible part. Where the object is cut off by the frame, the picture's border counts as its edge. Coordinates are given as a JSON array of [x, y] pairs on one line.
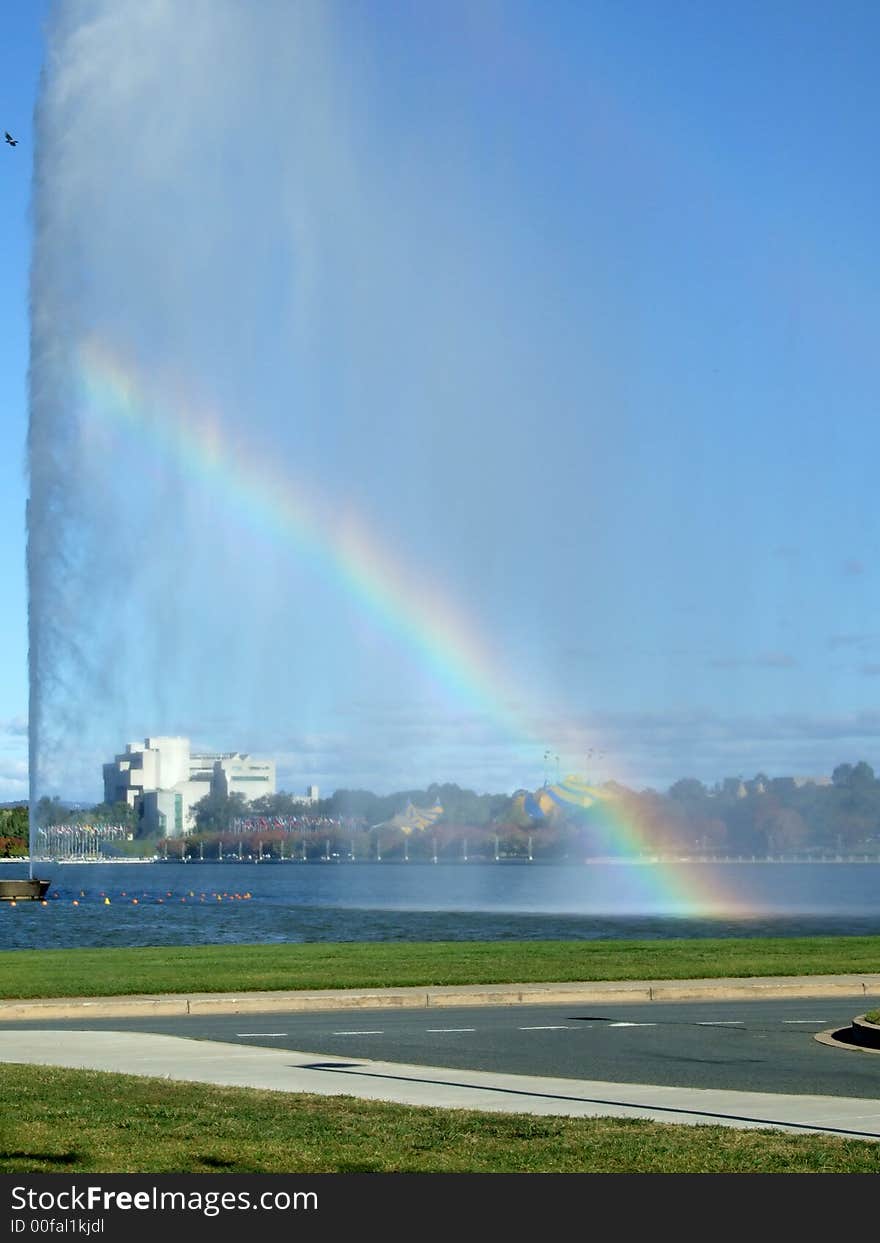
[[21, 58], [608, 275]]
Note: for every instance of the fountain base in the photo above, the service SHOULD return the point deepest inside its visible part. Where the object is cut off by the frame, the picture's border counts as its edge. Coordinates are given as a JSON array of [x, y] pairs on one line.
[[23, 890]]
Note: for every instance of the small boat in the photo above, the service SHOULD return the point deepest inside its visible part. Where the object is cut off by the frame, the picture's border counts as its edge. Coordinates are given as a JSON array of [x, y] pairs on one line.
[[23, 890]]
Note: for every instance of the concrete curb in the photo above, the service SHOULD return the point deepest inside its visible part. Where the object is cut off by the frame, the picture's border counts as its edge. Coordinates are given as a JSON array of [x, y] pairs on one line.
[[841, 1038], [865, 1033], [137, 1006]]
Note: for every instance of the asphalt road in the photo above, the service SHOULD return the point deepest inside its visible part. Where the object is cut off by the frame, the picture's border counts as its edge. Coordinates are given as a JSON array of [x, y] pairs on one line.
[[758, 1046]]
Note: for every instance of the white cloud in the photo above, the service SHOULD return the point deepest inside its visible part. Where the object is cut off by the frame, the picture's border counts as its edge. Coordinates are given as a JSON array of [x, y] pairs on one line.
[[836, 641], [13, 779], [775, 660], [764, 660]]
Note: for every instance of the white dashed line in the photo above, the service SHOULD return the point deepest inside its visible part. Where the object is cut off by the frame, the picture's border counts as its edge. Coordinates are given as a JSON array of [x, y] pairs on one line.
[[721, 1023], [562, 1028], [805, 1020], [358, 1033], [242, 1034], [632, 1024], [450, 1029]]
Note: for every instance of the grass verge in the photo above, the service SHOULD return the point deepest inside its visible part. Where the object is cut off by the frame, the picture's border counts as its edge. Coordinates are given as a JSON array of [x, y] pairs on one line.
[[67, 1121], [318, 965]]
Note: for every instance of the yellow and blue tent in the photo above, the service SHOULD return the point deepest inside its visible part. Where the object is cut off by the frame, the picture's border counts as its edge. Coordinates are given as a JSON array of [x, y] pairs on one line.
[[571, 794]]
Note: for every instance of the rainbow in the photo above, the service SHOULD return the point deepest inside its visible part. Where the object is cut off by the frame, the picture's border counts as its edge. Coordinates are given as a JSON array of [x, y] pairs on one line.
[[339, 545], [349, 557]]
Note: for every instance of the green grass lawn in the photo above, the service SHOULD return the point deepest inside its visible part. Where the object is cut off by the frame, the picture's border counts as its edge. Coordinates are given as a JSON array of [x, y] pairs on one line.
[[68, 1121], [317, 965], [79, 1121]]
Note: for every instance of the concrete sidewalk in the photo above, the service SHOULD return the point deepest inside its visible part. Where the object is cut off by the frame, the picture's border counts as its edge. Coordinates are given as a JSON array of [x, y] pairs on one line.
[[177, 1058], [862, 988], [280, 1070]]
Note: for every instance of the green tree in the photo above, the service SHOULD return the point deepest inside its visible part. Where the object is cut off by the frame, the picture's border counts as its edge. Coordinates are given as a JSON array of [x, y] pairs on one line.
[[113, 813], [862, 776], [50, 811], [689, 791], [14, 831], [215, 812]]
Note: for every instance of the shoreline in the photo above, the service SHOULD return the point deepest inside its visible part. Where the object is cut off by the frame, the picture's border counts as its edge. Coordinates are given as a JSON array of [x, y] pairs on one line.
[[593, 861]]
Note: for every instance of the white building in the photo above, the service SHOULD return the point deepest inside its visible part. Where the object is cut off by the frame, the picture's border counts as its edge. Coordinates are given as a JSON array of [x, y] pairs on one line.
[[241, 774], [165, 780], [157, 763]]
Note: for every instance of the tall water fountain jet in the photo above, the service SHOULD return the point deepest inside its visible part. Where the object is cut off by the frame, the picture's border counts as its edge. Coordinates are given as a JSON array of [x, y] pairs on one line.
[[290, 355]]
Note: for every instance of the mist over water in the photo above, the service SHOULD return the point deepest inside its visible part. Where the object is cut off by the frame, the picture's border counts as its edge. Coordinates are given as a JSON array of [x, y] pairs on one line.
[[287, 377], [168, 904]]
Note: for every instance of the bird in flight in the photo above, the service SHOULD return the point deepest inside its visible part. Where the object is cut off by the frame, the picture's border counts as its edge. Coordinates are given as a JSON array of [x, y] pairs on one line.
[[13, 142]]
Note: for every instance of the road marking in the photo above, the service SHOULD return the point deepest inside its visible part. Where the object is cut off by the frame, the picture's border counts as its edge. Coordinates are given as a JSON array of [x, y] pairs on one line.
[[720, 1023], [632, 1024], [358, 1033], [450, 1029], [805, 1020], [261, 1034], [559, 1028]]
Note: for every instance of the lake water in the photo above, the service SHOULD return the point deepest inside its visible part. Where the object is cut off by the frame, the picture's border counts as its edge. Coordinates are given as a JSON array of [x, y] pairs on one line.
[[212, 903]]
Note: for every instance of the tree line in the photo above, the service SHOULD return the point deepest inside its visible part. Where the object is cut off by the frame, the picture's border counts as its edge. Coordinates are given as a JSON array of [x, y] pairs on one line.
[[758, 816]]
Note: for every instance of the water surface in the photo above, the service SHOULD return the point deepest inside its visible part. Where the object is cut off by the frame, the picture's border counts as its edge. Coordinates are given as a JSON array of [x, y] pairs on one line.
[[211, 903]]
